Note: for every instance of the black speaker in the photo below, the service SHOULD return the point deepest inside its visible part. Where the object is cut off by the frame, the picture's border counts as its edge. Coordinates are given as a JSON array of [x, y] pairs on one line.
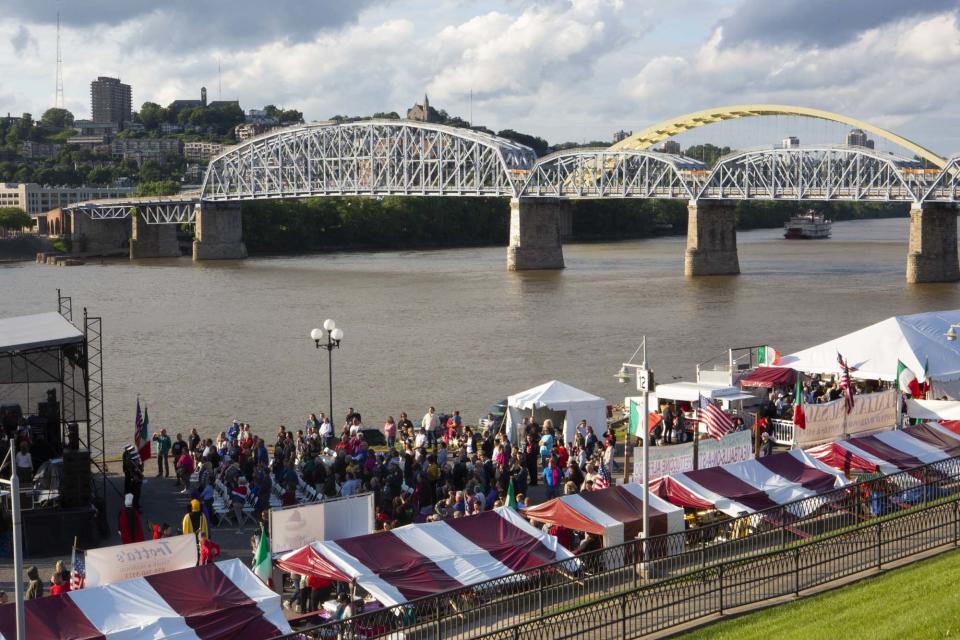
[[77, 476]]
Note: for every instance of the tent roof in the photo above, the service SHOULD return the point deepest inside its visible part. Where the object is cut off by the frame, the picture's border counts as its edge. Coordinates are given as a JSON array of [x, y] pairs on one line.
[[419, 560], [36, 331], [769, 377], [552, 393], [691, 391], [873, 352], [891, 451], [220, 601]]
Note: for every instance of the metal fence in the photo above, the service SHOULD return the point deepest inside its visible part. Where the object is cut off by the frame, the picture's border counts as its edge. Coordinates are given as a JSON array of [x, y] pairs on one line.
[[504, 603]]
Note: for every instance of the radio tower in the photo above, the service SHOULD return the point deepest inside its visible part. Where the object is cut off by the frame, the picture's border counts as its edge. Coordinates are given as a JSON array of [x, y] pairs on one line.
[[58, 93]]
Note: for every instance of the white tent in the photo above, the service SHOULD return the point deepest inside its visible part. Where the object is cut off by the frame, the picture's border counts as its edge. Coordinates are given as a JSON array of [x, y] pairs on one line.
[[558, 397], [873, 352]]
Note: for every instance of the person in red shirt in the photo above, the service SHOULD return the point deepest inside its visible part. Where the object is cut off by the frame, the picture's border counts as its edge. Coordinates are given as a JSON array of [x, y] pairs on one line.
[[59, 585], [209, 550], [562, 455], [320, 591], [129, 523]]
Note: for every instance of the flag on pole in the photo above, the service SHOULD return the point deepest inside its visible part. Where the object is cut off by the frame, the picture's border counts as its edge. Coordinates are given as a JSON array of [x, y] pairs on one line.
[[845, 383], [907, 381], [602, 481], [145, 443], [78, 571], [636, 426], [511, 496], [716, 420], [262, 563], [926, 377], [768, 356], [799, 419]]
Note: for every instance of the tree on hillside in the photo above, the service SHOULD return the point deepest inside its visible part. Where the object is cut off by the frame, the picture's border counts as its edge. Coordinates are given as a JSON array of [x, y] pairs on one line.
[[152, 115], [14, 219], [537, 144], [56, 118]]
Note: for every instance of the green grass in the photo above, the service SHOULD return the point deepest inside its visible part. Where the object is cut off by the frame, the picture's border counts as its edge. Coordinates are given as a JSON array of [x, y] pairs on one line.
[[917, 601]]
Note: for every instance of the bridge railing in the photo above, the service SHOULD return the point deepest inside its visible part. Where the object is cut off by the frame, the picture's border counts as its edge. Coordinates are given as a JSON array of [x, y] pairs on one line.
[[505, 602]]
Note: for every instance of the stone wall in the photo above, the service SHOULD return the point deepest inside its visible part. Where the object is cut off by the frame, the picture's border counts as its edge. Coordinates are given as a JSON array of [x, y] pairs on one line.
[[932, 250], [153, 240], [711, 239], [100, 237], [219, 232], [535, 231]]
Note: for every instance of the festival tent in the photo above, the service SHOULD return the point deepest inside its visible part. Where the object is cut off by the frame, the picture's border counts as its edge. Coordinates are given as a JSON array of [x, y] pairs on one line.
[[224, 600], [616, 513], [947, 410], [557, 397], [769, 377], [420, 560], [873, 352], [891, 451], [751, 485]]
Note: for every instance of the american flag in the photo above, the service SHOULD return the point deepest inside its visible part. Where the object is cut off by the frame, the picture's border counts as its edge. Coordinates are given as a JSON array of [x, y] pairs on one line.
[[845, 385], [78, 574], [602, 481], [718, 423]]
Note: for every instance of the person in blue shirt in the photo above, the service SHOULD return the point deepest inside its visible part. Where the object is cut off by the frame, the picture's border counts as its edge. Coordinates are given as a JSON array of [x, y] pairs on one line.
[[551, 477]]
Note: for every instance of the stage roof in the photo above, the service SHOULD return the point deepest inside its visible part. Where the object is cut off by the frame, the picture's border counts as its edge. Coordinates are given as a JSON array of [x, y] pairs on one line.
[[37, 331]]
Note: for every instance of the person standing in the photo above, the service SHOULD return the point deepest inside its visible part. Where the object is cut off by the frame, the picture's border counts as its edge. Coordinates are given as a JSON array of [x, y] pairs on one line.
[[209, 550], [129, 522], [431, 424], [132, 473], [194, 521], [551, 477], [163, 451], [35, 585], [390, 432], [177, 449], [184, 467]]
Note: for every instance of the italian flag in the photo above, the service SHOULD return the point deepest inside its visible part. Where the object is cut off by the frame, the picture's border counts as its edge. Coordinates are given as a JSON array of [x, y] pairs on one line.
[[512, 496], [262, 563], [907, 381], [799, 419], [768, 356], [653, 419]]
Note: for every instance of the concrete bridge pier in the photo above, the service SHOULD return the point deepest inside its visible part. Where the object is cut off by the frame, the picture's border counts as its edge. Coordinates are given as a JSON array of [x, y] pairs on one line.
[[711, 239], [535, 232], [932, 251], [219, 232], [153, 240], [99, 237]]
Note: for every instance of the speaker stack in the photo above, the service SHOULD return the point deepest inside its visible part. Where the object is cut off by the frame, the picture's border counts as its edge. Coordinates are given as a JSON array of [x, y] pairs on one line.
[[77, 477]]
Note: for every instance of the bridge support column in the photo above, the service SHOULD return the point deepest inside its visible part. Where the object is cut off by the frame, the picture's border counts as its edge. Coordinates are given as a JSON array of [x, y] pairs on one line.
[[932, 252], [219, 232], [99, 237], [535, 234], [711, 239], [153, 240]]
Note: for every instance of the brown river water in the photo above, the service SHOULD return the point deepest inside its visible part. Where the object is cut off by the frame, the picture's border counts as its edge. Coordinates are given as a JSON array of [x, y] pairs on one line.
[[205, 343]]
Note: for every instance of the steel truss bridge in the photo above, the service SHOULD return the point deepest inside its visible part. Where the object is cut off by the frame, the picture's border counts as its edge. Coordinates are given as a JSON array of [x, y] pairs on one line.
[[378, 158]]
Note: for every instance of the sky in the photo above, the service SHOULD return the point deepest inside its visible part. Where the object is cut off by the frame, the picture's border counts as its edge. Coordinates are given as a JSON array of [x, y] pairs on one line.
[[565, 70]]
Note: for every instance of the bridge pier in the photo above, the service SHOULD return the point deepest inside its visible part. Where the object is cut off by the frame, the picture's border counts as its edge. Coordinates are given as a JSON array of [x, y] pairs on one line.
[[153, 240], [932, 251], [219, 232], [99, 237], [535, 231], [711, 239]]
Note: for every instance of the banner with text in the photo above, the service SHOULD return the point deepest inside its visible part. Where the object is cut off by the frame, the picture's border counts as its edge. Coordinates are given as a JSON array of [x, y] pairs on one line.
[[339, 518], [678, 458], [830, 420], [125, 561]]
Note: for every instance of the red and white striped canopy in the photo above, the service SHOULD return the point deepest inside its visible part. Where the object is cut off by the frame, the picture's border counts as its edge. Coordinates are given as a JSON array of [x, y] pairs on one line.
[[419, 560], [217, 601], [616, 513], [891, 451], [751, 485]]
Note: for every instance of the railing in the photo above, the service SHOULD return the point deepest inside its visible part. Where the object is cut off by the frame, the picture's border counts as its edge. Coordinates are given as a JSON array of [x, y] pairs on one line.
[[505, 603], [783, 432]]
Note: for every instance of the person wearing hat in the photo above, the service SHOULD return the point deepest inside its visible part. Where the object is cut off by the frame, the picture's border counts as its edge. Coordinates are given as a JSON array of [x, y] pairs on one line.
[[195, 522], [128, 522], [35, 586], [766, 444]]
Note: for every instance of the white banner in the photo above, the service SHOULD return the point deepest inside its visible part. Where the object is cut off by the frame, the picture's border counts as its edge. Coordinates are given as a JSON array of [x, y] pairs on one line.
[[678, 458], [138, 559], [933, 409], [339, 518], [830, 420]]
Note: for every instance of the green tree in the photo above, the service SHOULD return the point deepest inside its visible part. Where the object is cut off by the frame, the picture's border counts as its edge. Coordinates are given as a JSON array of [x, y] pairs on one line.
[[152, 115], [158, 188], [56, 118], [14, 219]]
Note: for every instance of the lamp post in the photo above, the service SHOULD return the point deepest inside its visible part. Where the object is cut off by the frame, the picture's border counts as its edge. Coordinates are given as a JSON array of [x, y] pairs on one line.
[[333, 335], [644, 383]]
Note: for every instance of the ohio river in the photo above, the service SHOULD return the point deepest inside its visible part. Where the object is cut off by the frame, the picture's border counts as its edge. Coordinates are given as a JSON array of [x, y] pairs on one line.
[[206, 343]]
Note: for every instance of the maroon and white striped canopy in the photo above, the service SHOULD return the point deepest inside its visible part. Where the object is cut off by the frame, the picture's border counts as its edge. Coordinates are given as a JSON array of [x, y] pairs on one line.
[[891, 451]]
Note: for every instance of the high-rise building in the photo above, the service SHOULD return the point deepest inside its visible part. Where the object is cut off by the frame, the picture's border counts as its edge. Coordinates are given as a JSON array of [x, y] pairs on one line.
[[621, 135], [790, 142], [111, 101], [858, 138]]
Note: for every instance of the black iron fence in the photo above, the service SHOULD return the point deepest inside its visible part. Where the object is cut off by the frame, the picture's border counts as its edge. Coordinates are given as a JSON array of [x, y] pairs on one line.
[[712, 555]]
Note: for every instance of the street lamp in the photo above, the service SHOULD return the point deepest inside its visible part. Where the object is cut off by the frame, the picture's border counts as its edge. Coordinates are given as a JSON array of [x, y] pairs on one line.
[[952, 332], [644, 382], [333, 336]]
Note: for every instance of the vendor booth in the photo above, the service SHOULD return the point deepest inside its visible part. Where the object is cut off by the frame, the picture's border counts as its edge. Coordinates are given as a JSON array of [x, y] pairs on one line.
[[769, 378], [616, 513], [890, 451], [559, 402], [918, 341], [420, 560], [751, 485], [219, 601]]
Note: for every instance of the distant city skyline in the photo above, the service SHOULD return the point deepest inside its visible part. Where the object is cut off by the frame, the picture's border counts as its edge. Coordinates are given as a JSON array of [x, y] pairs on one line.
[[560, 69]]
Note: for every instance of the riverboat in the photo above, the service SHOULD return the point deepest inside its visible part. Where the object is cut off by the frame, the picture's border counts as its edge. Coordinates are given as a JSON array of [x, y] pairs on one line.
[[807, 226]]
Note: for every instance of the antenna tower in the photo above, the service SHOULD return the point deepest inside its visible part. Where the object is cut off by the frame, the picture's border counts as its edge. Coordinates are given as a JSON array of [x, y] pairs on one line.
[[58, 93]]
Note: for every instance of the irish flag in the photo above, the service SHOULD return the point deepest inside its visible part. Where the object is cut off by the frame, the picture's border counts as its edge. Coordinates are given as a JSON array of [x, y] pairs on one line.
[[767, 356], [907, 381], [262, 563], [798, 418]]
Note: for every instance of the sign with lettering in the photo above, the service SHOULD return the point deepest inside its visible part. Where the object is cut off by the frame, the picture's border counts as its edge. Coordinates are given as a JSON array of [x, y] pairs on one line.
[[830, 420], [125, 561], [294, 527], [678, 458]]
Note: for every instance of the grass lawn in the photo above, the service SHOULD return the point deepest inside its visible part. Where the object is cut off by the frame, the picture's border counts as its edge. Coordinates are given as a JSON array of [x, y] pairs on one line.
[[918, 601]]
